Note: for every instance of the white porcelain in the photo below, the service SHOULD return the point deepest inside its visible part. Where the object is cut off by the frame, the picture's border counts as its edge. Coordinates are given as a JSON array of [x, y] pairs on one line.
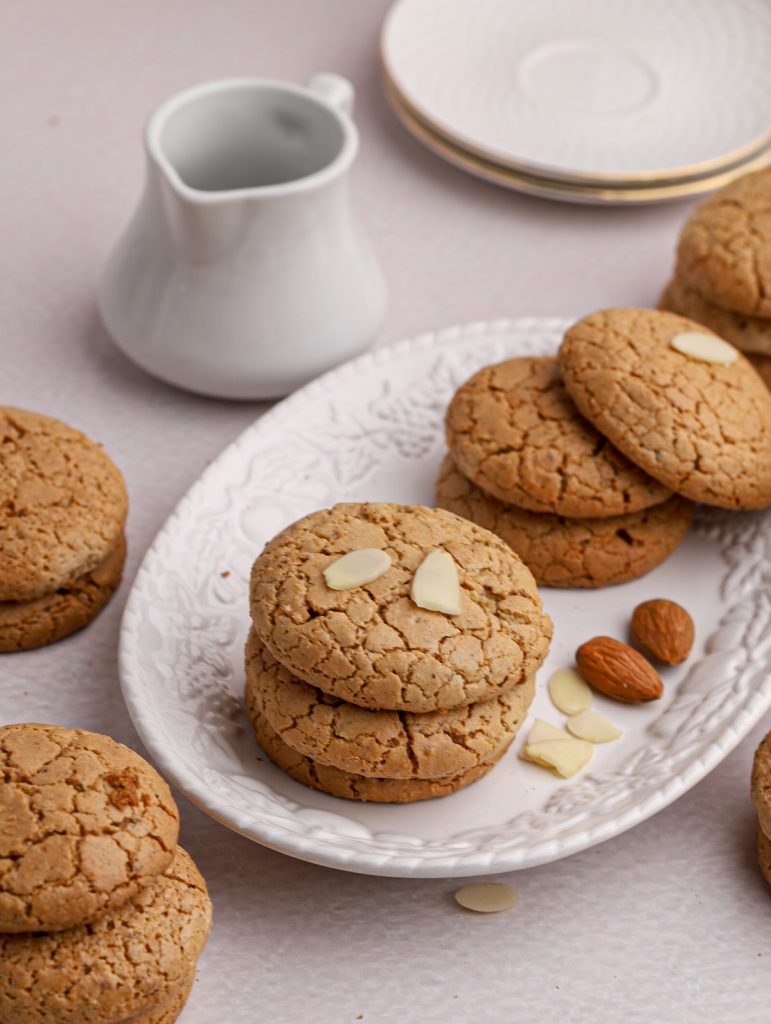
[[588, 90], [372, 429], [244, 273]]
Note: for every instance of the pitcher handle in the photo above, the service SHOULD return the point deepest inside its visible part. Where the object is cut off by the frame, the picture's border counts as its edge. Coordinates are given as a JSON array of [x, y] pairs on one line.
[[335, 90]]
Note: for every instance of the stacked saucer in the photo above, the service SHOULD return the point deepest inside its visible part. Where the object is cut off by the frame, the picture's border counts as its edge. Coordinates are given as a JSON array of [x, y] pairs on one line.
[[593, 102]]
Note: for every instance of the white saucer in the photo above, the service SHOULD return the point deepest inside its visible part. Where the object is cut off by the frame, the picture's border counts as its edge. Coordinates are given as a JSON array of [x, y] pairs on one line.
[[588, 90]]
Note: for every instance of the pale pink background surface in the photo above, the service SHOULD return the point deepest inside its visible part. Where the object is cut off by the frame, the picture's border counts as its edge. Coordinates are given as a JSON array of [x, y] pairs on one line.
[[669, 922]]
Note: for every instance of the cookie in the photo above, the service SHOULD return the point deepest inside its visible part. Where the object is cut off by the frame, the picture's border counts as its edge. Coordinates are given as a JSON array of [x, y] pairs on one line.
[[764, 855], [513, 431], [135, 963], [85, 823], [390, 744], [349, 785], [28, 624], [703, 429], [725, 246], [564, 552], [372, 645], [762, 366], [761, 783], [748, 333], [62, 505]]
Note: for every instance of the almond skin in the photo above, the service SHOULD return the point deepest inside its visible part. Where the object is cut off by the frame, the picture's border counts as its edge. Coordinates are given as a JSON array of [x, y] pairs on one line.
[[663, 629], [618, 670]]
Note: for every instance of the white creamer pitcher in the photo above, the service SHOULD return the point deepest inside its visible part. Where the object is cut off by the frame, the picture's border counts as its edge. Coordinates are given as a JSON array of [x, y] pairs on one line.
[[243, 273]]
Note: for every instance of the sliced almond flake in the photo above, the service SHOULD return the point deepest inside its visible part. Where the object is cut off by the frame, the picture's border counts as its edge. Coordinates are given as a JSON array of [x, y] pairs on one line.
[[565, 757], [706, 347], [544, 731], [568, 691], [357, 568], [435, 585], [486, 897], [588, 725]]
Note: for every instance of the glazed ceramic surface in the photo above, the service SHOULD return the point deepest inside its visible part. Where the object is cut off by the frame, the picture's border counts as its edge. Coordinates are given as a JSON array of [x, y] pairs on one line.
[[244, 273], [588, 90], [372, 430]]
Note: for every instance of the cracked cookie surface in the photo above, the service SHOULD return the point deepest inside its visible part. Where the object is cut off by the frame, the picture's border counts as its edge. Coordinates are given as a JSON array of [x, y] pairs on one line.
[[564, 552], [132, 964], [25, 625], [85, 823], [349, 785], [63, 505], [514, 431], [371, 645], [390, 744], [748, 333], [702, 429], [725, 246]]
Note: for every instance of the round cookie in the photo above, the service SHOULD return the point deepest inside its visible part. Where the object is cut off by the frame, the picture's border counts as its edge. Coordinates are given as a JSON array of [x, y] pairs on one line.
[[386, 744], [764, 855], [63, 505], [513, 430], [748, 333], [348, 785], [372, 645], [86, 823], [761, 783], [136, 963], [725, 246], [702, 429], [28, 624], [571, 552]]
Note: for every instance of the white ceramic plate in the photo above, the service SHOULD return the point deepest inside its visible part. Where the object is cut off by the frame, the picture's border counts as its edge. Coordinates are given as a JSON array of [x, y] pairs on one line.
[[636, 194], [372, 429], [588, 90]]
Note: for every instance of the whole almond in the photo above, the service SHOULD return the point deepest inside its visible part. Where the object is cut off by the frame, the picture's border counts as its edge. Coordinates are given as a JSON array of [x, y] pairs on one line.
[[664, 629], [618, 670]]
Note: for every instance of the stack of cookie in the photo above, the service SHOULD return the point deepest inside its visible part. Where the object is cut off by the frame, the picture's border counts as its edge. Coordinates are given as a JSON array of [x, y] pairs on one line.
[[587, 464], [393, 651], [723, 273], [761, 799], [102, 915], [62, 512]]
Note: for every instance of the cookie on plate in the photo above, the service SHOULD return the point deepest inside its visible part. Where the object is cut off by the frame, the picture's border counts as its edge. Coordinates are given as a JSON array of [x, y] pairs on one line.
[[702, 428], [63, 505], [372, 645], [25, 625], [86, 824], [513, 430], [764, 855], [350, 785], [725, 246], [385, 744], [136, 963], [748, 333], [564, 552], [761, 783]]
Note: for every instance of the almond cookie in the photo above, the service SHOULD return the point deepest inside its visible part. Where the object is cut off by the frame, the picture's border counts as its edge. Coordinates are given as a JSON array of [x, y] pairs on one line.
[[725, 246], [748, 333], [701, 428], [513, 430], [28, 624], [85, 823], [371, 644], [761, 783], [134, 964], [390, 744], [571, 552], [62, 505], [349, 785]]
